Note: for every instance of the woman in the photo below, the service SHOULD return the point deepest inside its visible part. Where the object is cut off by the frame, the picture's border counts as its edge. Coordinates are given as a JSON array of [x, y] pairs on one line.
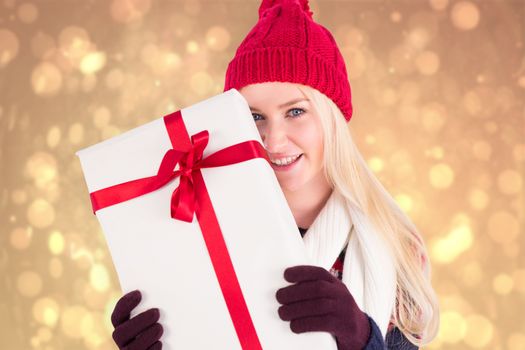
[[369, 284]]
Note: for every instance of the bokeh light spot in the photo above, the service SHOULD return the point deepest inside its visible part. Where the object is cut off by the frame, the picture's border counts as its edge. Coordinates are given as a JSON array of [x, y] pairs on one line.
[[465, 15], [441, 176], [9, 46], [46, 79], [41, 213]]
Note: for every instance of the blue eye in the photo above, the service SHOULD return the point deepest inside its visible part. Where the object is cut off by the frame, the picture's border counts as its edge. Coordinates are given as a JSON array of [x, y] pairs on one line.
[[258, 117], [296, 109]]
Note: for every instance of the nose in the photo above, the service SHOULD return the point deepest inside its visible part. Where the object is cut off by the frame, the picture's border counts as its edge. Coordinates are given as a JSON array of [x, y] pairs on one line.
[[275, 138]]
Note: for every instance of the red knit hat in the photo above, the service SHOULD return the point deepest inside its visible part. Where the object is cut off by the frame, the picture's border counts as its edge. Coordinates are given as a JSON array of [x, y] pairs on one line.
[[287, 45]]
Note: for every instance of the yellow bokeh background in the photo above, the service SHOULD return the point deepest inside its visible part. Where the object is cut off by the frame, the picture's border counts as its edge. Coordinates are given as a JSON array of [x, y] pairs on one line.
[[438, 89]]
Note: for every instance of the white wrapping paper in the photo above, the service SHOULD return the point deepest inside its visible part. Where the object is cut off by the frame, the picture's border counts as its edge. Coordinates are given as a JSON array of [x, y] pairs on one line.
[[167, 259]]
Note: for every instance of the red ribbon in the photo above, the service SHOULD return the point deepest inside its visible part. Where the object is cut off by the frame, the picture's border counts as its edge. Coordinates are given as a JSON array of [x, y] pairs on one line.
[[191, 196]]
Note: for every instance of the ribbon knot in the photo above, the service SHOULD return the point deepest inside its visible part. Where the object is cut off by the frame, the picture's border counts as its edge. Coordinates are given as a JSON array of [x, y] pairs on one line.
[[182, 205]]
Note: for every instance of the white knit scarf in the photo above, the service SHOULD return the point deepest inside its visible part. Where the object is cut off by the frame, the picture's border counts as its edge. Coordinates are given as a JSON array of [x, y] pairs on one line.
[[368, 269]]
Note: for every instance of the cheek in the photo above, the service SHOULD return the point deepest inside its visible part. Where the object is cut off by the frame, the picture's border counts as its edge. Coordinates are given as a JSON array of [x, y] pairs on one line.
[[312, 142]]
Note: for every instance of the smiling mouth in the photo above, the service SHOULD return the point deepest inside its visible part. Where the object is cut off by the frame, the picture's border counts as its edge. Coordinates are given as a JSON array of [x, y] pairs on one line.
[[287, 164]]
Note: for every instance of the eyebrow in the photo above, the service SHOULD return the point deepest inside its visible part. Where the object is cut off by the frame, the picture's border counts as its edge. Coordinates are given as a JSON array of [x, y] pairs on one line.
[[286, 103]]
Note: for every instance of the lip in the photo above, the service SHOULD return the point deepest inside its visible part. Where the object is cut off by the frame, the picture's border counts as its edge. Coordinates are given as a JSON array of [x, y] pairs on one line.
[[287, 167]]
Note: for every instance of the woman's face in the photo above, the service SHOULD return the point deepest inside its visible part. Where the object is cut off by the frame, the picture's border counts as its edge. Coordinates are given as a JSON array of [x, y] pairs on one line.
[[290, 130]]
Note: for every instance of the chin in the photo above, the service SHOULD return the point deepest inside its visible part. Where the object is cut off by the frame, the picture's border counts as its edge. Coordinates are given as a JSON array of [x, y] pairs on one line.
[[291, 186]]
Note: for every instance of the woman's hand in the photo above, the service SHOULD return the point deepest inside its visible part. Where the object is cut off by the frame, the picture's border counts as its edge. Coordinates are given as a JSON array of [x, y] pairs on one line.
[[318, 301], [142, 332]]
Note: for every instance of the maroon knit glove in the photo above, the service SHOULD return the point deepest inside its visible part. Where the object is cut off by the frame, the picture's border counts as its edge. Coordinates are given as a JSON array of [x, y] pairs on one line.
[[142, 332], [318, 301]]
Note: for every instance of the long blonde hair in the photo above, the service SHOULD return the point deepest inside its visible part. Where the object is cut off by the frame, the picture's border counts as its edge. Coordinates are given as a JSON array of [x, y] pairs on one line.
[[416, 312]]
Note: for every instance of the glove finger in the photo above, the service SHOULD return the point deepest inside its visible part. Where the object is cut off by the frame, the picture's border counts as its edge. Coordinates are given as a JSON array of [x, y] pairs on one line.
[[303, 273], [324, 323], [123, 308], [130, 329], [156, 346], [313, 307], [305, 291], [147, 338]]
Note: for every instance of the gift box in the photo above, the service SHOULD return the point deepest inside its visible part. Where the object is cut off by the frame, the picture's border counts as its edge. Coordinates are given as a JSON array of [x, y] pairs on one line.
[[194, 218]]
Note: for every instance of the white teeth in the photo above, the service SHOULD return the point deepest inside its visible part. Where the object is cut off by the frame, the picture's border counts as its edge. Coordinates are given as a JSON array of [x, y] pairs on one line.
[[284, 161]]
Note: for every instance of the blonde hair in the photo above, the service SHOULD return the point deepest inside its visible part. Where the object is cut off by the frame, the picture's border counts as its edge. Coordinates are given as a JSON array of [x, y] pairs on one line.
[[416, 312]]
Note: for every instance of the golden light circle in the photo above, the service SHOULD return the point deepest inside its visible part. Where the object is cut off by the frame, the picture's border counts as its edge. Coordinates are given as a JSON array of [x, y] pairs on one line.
[[217, 38], [27, 13], [418, 37], [42, 167], [53, 137], [40, 213], [110, 131], [20, 238], [46, 311], [167, 62], [503, 227], [74, 43], [9, 46], [396, 17], [92, 330], [448, 248], [432, 117], [76, 133], [192, 47], [376, 164], [56, 242], [29, 283], [521, 81], [70, 319], [441, 176], [99, 278], [502, 284], [465, 15], [510, 182], [92, 62], [479, 331], [453, 327], [46, 79], [478, 199], [405, 202], [427, 62]]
